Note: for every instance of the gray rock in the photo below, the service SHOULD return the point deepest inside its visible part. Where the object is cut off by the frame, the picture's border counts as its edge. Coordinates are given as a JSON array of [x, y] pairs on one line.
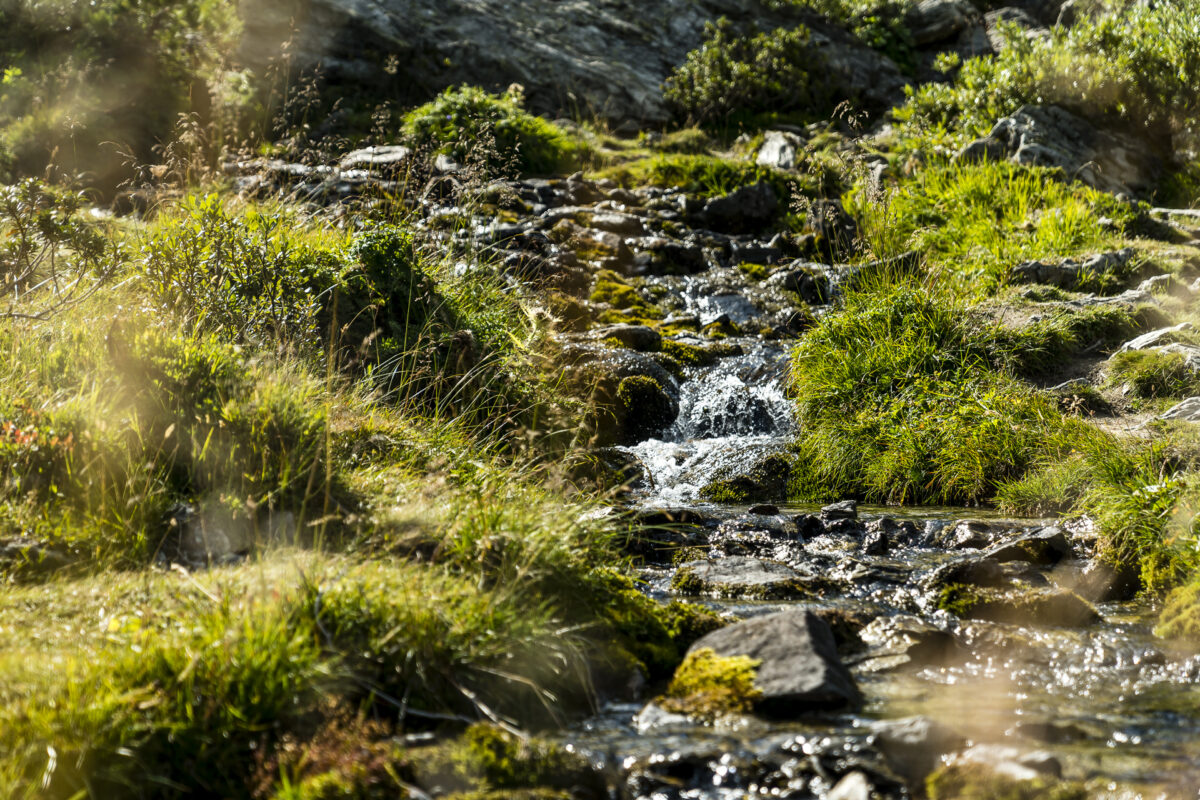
[[1044, 547], [1185, 411], [1069, 273], [905, 640], [744, 210], [853, 786], [740, 577], [623, 224], [1012, 763], [846, 509], [780, 149], [914, 745], [800, 671], [970, 570], [965, 534], [1007, 15], [1156, 338], [382, 157], [569, 55], [933, 21], [1049, 136]]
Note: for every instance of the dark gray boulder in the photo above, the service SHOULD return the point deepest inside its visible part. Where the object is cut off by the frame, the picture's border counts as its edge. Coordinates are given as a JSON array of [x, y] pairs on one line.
[[1043, 547], [800, 671], [742, 211]]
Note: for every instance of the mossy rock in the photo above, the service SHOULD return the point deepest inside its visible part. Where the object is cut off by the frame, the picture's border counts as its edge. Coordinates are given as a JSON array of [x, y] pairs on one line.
[[766, 481], [708, 687], [1017, 607], [742, 578], [691, 355], [644, 406], [1180, 617], [978, 782]]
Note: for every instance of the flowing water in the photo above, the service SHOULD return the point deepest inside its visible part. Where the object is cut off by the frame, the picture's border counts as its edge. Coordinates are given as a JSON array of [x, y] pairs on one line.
[[1113, 705]]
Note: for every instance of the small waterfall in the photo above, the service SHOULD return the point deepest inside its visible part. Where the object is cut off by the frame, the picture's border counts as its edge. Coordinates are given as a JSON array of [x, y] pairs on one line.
[[729, 414]]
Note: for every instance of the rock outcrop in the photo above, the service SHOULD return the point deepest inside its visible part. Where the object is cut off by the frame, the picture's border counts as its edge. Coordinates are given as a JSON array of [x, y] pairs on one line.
[[602, 57]]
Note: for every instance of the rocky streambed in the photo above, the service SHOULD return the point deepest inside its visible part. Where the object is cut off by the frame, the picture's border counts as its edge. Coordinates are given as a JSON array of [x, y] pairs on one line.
[[891, 642]]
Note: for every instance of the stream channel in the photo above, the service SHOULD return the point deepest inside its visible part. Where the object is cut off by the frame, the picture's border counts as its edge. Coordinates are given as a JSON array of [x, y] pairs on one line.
[[1089, 698]]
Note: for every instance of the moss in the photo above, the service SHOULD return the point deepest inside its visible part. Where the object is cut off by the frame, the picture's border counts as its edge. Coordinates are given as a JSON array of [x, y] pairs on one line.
[[611, 289], [644, 407], [1017, 607], [978, 782], [721, 329], [1180, 616], [767, 480], [707, 686], [755, 272]]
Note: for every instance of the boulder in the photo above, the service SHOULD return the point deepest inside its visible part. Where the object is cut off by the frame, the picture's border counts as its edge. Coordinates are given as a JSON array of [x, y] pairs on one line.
[[800, 671], [904, 640], [965, 534], [744, 210], [1043, 547], [933, 21], [642, 338], [780, 150], [845, 509], [1185, 411], [741, 577], [1050, 136]]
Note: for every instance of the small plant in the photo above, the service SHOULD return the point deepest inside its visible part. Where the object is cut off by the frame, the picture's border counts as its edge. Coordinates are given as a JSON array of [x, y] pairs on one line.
[[732, 74], [461, 120]]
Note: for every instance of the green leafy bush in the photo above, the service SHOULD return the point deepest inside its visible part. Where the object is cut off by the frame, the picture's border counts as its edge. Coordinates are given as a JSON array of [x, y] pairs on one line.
[[732, 74], [493, 130]]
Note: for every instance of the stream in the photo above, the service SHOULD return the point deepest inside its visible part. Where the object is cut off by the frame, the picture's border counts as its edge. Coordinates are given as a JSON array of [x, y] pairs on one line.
[[1103, 702]]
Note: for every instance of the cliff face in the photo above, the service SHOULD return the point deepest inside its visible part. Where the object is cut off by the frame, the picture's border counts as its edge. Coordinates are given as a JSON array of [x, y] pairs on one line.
[[595, 57]]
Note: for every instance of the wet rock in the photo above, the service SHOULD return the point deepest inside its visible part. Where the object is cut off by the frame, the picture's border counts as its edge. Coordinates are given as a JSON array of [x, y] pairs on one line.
[[846, 509], [1050, 607], [1049, 136], [809, 281], [853, 786], [848, 528], [875, 542], [630, 393], [891, 532], [674, 258], [1099, 582], [383, 157], [968, 570], [764, 481], [904, 641], [740, 577], [779, 150], [1010, 762], [644, 407], [965, 534], [642, 338], [1044, 547], [609, 469], [621, 224], [744, 210], [914, 746], [809, 526], [1050, 732], [764, 509], [932, 21], [800, 671]]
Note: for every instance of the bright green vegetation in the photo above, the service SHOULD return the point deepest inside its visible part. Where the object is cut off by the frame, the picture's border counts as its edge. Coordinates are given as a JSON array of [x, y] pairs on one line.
[[973, 223], [492, 131], [1153, 374], [703, 175], [74, 76], [877, 23], [1139, 63], [274, 392], [708, 687], [1180, 618]]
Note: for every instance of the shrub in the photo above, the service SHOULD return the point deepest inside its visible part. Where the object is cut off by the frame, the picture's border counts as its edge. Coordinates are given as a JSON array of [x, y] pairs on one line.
[[734, 75], [493, 130]]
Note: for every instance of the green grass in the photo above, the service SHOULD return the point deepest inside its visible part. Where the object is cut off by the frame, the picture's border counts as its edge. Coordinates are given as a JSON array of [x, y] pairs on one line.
[[973, 223]]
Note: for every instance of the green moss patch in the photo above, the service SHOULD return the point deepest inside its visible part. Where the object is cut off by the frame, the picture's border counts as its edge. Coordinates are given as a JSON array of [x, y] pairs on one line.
[[708, 687]]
